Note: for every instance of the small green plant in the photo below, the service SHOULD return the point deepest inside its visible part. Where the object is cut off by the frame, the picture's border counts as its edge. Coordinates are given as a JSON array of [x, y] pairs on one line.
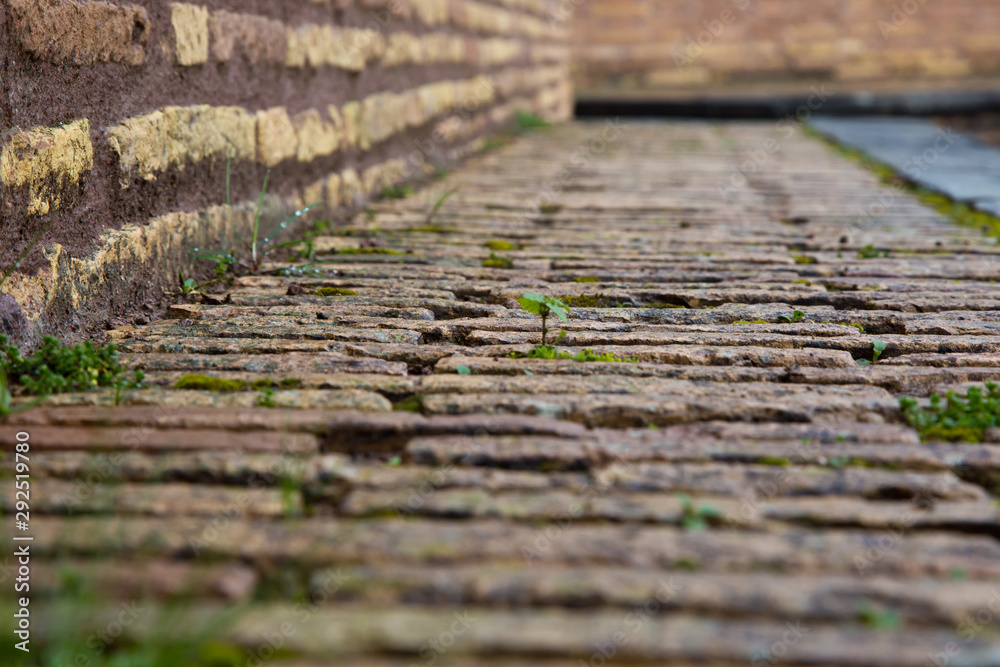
[[397, 192], [878, 619], [121, 385], [496, 261], [694, 518], [878, 347], [530, 121], [266, 398], [586, 279], [189, 286], [955, 418], [804, 259], [439, 203], [544, 306], [55, 368], [871, 252], [797, 316], [227, 263]]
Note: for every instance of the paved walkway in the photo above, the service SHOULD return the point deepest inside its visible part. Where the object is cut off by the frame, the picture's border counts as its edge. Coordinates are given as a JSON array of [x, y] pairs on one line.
[[745, 493]]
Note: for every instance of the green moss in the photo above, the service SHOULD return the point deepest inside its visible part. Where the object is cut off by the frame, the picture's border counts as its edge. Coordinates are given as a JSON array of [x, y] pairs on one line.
[[413, 403], [802, 282], [598, 300], [291, 383], [500, 246], [429, 229], [804, 259], [588, 355], [751, 322], [334, 291], [263, 383], [397, 192], [774, 461], [530, 121], [549, 208], [205, 383], [498, 262], [369, 251], [586, 279]]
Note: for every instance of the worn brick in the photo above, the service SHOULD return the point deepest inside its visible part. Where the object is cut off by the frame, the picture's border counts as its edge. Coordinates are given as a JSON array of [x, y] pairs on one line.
[[190, 24], [82, 33], [261, 40], [276, 136], [176, 136], [315, 136]]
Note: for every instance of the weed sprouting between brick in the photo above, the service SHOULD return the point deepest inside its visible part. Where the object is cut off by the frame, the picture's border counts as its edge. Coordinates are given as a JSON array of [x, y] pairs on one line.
[[955, 418]]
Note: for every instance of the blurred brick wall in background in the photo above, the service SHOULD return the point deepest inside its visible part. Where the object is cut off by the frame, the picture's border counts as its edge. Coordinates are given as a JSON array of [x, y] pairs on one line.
[[691, 43]]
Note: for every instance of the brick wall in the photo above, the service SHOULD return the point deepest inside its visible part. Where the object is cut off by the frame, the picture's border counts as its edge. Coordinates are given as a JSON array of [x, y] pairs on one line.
[[117, 120], [648, 44]]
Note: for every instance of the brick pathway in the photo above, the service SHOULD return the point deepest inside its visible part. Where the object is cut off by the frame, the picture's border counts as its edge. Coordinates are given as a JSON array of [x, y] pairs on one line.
[[546, 512]]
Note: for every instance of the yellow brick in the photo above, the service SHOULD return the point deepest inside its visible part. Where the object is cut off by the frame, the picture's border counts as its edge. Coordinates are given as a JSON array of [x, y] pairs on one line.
[[276, 138], [352, 193], [190, 23], [334, 196], [314, 193], [354, 129], [176, 136], [315, 136], [347, 48], [46, 160]]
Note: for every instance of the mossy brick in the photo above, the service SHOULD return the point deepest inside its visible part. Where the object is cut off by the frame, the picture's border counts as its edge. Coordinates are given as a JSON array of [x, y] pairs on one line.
[[46, 160]]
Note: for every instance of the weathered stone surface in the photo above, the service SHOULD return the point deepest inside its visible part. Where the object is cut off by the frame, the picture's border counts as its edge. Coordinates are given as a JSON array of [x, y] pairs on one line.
[[746, 456]]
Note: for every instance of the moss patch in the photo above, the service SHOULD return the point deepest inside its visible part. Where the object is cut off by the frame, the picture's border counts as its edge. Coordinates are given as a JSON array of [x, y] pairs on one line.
[[206, 383], [334, 291], [500, 246]]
